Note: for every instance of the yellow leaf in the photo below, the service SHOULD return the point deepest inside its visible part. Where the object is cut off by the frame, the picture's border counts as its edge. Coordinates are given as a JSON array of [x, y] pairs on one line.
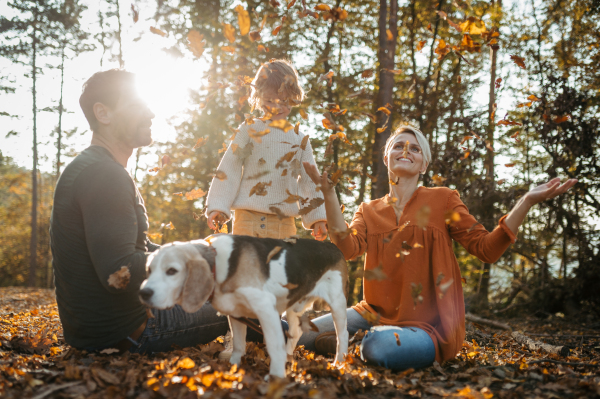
[[303, 114], [243, 19], [384, 110], [281, 124], [194, 194], [389, 34], [229, 32], [186, 363], [322, 7], [257, 136]]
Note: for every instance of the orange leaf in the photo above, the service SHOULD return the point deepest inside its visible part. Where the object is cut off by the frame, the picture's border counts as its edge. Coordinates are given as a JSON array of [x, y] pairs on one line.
[[194, 194], [322, 7], [196, 43], [201, 141], [304, 142], [243, 19], [421, 44], [228, 49], [229, 32], [275, 31], [384, 110], [519, 61], [254, 36], [389, 34], [561, 119]]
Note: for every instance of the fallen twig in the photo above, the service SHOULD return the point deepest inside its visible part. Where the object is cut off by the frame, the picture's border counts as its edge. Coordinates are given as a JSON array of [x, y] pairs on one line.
[[567, 363], [565, 336], [534, 345], [481, 320]]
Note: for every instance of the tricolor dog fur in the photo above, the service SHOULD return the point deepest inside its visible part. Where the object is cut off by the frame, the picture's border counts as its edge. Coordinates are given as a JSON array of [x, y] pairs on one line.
[[244, 284]]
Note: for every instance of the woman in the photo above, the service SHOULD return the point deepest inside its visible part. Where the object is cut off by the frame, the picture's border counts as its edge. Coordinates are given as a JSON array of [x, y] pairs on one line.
[[414, 290]]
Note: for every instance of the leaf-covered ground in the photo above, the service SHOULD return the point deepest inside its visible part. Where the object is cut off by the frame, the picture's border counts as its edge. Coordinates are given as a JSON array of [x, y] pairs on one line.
[[35, 362]]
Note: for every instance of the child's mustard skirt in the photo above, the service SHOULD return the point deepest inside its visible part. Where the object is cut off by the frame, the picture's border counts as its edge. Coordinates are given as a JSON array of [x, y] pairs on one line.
[[264, 225]]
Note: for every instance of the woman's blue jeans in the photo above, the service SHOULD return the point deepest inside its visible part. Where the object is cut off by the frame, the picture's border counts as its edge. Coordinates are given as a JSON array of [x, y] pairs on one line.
[[380, 345]]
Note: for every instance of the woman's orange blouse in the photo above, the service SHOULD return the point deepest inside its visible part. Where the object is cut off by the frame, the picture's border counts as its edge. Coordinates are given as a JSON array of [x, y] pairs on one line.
[[413, 295]]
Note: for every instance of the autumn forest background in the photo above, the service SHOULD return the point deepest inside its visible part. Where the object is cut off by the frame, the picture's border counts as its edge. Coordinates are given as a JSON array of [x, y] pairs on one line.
[[507, 92]]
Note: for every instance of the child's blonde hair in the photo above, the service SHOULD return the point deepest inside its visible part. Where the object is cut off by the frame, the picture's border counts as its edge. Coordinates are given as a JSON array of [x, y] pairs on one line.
[[279, 76]]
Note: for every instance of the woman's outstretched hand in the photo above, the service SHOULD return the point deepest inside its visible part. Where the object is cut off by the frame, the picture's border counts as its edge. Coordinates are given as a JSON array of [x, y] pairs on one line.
[[536, 195], [549, 190]]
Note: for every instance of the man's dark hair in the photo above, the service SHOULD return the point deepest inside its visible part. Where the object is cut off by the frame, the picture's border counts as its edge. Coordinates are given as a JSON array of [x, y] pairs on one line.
[[104, 87]]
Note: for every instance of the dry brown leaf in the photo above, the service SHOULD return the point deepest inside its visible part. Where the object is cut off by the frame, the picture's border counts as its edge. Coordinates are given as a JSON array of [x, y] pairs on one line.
[[229, 32], [257, 136], [519, 61], [278, 212], [120, 278], [304, 143], [307, 325], [259, 189], [282, 124], [219, 174], [342, 234], [194, 194], [415, 292], [375, 274], [200, 142], [196, 43], [157, 31], [275, 31], [438, 180], [285, 158], [444, 287]]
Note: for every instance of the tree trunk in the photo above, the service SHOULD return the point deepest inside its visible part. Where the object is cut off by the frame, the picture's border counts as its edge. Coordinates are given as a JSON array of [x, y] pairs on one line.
[[385, 55], [33, 243], [121, 62], [60, 112]]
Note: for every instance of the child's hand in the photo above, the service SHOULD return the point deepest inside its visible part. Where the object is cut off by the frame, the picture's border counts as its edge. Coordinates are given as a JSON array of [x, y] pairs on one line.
[[217, 216], [319, 231], [320, 180]]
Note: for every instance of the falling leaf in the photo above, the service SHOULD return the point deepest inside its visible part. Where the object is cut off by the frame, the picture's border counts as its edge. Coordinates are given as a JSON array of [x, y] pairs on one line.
[[195, 216], [417, 245], [157, 31], [452, 24], [422, 216], [228, 49], [307, 325], [179, 194], [506, 122], [444, 287], [120, 278], [458, 79], [322, 7], [275, 31], [415, 292], [194, 194], [259, 189], [439, 278], [519, 61], [501, 181], [243, 19], [200, 142], [245, 152], [272, 253], [442, 49], [510, 165], [257, 136], [397, 339], [367, 73], [278, 212], [375, 274], [438, 180], [497, 83], [451, 217], [292, 198], [291, 4], [314, 203], [421, 44], [291, 239], [389, 35], [282, 124], [262, 161], [392, 71], [303, 114], [285, 158], [219, 174], [473, 26], [262, 48], [254, 36], [168, 226], [384, 110], [561, 119], [229, 32], [533, 98], [289, 286], [154, 236], [136, 14], [372, 319], [196, 43], [326, 76]]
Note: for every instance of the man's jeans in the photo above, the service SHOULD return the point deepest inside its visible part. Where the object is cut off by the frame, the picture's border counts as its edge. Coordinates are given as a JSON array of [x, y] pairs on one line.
[[176, 327], [380, 346]]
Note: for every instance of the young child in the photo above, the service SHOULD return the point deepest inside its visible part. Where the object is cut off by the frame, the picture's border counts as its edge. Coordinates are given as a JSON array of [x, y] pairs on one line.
[[265, 184]]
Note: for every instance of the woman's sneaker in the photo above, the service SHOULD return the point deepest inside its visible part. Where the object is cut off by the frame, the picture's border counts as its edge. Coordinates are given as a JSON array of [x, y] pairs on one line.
[[228, 343], [326, 343]]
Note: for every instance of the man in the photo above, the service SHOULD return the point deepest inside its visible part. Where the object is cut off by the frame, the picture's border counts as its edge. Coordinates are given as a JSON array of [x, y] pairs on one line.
[[99, 224]]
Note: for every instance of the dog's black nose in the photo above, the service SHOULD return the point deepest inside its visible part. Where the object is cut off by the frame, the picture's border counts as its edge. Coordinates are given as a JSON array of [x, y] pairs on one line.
[[146, 293]]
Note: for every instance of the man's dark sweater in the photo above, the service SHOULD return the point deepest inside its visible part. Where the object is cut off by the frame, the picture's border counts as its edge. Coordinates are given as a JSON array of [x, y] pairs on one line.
[[98, 224]]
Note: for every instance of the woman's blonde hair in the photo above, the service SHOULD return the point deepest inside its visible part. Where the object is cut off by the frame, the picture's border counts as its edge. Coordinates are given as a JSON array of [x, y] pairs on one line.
[[279, 76], [421, 139]]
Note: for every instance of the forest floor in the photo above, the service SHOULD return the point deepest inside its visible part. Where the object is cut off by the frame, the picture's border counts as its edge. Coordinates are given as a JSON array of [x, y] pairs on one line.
[[36, 363]]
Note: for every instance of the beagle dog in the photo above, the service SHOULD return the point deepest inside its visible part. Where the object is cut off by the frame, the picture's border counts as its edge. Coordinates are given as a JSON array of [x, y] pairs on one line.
[[252, 277]]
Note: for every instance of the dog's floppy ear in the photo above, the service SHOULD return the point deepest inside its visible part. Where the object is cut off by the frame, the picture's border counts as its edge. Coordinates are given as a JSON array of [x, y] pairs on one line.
[[198, 285]]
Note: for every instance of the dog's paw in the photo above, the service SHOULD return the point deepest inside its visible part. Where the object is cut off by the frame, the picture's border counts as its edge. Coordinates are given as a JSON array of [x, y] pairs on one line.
[[236, 358]]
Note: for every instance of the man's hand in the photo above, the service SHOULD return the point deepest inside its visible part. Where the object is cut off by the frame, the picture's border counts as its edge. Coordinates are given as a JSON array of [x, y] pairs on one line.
[[216, 216], [319, 231]]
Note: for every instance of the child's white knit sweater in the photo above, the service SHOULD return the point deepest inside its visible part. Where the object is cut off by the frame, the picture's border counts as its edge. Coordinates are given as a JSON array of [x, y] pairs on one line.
[[267, 164]]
